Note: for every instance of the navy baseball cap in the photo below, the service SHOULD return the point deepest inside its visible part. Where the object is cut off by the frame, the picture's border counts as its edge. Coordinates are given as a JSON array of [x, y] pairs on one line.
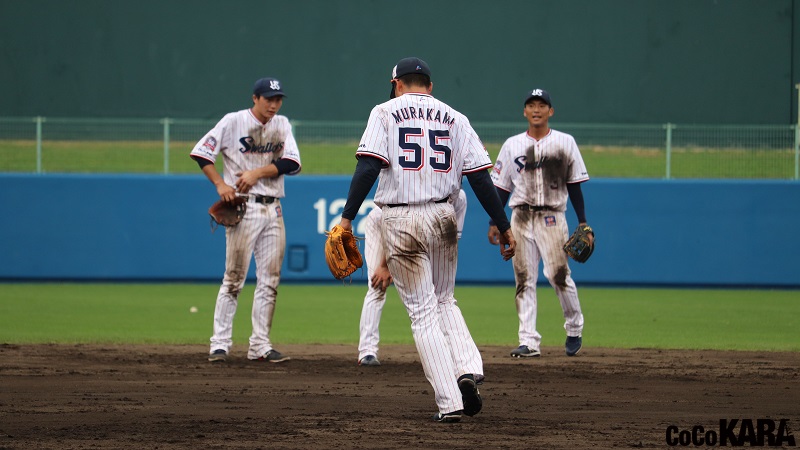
[[268, 87], [538, 93], [408, 66]]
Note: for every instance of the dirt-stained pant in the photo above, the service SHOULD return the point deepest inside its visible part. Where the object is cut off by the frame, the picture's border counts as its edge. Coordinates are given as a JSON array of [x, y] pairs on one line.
[[541, 235], [421, 247], [260, 234]]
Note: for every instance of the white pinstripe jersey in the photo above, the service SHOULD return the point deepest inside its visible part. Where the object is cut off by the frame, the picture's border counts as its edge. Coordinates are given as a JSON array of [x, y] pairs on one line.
[[537, 172], [247, 144], [425, 146]]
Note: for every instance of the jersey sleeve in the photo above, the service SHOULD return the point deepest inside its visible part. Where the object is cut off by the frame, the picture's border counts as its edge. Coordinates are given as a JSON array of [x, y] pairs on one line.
[[577, 169], [374, 140], [475, 155], [501, 173], [290, 149], [209, 147]]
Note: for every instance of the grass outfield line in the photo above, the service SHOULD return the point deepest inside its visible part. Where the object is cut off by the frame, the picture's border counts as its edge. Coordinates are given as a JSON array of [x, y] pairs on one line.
[[617, 318]]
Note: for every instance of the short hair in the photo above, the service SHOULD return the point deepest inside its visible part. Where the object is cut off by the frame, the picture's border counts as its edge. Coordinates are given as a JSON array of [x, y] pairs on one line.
[[416, 79]]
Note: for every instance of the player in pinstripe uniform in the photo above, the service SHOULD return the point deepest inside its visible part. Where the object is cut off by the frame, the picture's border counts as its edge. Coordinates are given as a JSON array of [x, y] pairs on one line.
[[539, 169], [380, 279], [421, 148], [258, 149]]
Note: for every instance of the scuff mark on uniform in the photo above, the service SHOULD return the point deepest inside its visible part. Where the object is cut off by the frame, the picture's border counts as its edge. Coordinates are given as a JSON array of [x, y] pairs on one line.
[[560, 278], [522, 281]]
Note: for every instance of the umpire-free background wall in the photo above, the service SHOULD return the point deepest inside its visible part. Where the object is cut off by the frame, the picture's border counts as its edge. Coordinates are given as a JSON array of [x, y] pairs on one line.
[[610, 61], [118, 227]]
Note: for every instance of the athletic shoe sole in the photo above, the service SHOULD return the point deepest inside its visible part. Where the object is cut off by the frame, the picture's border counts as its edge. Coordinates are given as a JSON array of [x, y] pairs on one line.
[[451, 417], [217, 357], [470, 396]]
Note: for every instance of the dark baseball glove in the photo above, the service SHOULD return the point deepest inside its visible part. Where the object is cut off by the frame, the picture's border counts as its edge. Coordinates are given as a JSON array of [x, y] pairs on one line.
[[578, 246], [341, 252], [227, 214]]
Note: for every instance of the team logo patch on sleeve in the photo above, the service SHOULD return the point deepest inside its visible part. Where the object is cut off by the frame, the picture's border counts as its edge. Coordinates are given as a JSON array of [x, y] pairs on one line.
[[549, 221], [210, 143], [278, 211], [498, 167]]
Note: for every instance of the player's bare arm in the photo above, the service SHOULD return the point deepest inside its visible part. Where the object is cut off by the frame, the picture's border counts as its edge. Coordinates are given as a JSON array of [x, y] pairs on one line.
[[225, 192]]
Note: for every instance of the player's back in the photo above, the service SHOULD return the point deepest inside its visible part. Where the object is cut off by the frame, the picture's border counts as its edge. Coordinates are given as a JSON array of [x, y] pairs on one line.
[[426, 144]]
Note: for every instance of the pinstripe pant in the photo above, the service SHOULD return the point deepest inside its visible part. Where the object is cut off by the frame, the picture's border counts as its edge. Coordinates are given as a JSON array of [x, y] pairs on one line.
[[260, 235], [421, 246], [541, 235]]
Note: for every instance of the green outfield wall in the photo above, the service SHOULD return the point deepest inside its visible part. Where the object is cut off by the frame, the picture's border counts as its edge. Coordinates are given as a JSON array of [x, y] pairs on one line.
[[611, 61]]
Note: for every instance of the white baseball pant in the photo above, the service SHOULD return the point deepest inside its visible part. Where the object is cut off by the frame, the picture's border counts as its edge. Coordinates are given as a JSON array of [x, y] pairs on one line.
[[421, 246], [261, 234], [541, 235]]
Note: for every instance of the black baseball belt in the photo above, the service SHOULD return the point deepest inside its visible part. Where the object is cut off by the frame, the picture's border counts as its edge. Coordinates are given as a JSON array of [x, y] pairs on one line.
[[395, 205], [534, 208], [263, 199]]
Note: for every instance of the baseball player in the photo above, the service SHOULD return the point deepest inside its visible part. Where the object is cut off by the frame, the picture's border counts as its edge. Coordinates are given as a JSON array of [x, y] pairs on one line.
[[539, 169], [380, 279], [258, 149], [421, 148]]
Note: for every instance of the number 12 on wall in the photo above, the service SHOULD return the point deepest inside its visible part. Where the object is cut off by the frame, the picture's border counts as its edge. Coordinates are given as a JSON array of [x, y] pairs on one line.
[[328, 215]]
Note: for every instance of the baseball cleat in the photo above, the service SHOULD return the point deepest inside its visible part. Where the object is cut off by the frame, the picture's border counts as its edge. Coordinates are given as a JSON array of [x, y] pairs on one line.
[[573, 345], [524, 352], [273, 356], [369, 360], [451, 417], [218, 355], [470, 395]]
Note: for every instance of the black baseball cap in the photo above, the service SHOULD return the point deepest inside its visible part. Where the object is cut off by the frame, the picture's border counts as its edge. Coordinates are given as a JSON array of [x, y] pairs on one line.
[[407, 66], [538, 93], [268, 87]]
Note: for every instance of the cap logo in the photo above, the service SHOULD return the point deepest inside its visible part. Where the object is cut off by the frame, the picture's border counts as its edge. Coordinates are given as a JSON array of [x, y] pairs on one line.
[[275, 85], [418, 68], [536, 92]]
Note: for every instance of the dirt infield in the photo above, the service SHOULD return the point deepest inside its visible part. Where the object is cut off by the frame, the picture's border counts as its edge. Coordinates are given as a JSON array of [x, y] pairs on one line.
[[170, 397]]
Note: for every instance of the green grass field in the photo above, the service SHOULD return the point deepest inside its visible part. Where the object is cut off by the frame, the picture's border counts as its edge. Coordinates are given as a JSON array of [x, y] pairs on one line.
[[618, 318], [338, 159]]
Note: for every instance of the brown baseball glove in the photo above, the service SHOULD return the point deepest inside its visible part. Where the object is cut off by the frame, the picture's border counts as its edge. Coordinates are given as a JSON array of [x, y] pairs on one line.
[[578, 246], [227, 214], [341, 252]]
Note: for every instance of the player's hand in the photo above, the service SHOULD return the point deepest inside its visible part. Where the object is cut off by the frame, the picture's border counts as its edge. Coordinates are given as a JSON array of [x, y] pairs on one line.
[[226, 193], [347, 224], [494, 235], [508, 245], [382, 278], [246, 181], [590, 235]]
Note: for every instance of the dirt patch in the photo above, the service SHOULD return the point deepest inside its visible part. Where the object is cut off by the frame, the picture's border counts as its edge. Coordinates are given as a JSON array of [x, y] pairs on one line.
[[170, 397]]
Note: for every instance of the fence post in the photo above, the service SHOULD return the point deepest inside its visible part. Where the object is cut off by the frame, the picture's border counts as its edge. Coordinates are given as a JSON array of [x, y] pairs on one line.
[[669, 128], [797, 137], [166, 121], [39, 120], [797, 151]]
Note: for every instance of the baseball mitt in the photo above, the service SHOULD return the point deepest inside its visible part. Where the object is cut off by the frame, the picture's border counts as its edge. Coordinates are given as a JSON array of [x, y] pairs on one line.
[[341, 252], [578, 246], [227, 214]]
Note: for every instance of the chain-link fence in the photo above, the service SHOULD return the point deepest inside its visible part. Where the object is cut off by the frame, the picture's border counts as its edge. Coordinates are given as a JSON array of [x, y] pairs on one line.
[[70, 145]]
